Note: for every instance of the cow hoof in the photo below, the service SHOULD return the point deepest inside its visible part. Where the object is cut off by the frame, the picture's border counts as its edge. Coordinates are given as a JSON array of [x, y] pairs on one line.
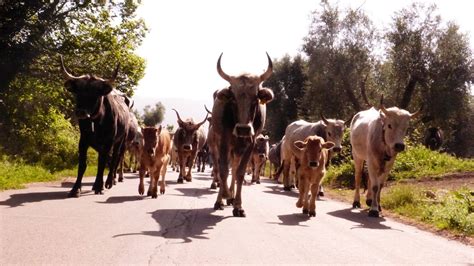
[[373, 213], [355, 205], [120, 179], [180, 180], [305, 211], [368, 202], [238, 212], [75, 193], [213, 186], [154, 195], [287, 188], [321, 194], [148, 193], [230, 202], [312, 213], [162, 191], [293, 186], [99, 192], [258, 181], [218, 206]]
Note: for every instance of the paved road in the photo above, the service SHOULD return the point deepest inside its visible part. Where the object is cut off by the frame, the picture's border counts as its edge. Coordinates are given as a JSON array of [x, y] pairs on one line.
[[39, 225]]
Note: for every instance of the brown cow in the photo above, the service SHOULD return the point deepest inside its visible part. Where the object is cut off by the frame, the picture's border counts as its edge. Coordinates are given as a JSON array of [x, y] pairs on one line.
[[189, 138], [238, 116], [377, 137], [312, 154], [154, 159], [259, 156]]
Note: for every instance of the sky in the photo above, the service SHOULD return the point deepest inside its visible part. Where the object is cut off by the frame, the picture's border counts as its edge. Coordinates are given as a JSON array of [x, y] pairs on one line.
[[186, 38]]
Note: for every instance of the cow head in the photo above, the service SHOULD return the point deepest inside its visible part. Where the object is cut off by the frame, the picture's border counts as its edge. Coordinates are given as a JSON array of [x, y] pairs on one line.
[[150, 138], [187, 136], [244, 95], [89, 91], [261, 146], [395, 123], [311, 149], [334, 131]]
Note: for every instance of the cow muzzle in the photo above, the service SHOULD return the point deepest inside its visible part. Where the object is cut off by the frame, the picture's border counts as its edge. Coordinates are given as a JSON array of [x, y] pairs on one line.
[[151, 152], [261, 156], [313, 164], [187, 147], [243, 131], [399, 147]]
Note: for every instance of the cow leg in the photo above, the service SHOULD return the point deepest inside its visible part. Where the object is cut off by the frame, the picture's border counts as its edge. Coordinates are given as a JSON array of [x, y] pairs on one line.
[[152, 171], [120, 169], [155, 177], [76, 189], [321, 191], [182, 168], [286, 174], [163, 174], [190, 165], [215, 178], [358, 166], [98, 186], [239, 178], [221, 159], [141, 185], [374, 189], [117, 155], [302, 193], [312, 201]]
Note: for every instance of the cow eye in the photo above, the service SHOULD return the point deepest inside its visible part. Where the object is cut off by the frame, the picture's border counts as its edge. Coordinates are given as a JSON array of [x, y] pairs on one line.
[[329, 134], [390, 126]]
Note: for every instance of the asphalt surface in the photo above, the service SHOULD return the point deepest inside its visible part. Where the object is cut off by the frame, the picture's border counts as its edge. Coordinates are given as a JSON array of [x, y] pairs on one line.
[[40, 225]]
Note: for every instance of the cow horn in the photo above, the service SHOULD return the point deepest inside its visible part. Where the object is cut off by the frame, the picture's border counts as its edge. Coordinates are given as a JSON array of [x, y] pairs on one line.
[[115, 74], [324, 119], [269, 71], [362, 91], [220, 71], [66, 74], [203, 121], [417, 113], [209, 112], [180, 121], [382, 107]]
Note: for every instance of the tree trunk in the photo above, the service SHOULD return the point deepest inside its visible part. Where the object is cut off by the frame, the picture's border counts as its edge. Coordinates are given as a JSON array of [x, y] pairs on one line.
[[409, 89]]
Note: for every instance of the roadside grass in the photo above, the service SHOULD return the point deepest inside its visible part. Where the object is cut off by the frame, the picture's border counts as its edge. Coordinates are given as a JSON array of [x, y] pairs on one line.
[[15, 174], [438, 207]]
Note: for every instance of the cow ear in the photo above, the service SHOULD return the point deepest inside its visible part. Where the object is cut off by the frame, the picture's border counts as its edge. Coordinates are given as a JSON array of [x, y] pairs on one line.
[[300, 145], [105, 89], [158, 130], [265, 95], [328, 145], [224, 95]]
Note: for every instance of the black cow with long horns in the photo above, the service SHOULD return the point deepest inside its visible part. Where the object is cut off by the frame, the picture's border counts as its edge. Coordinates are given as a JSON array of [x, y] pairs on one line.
[[103, 115], [189, 138]]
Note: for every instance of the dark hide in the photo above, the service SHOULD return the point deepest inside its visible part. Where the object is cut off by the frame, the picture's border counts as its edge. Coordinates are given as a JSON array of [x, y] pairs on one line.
[[434, 138]]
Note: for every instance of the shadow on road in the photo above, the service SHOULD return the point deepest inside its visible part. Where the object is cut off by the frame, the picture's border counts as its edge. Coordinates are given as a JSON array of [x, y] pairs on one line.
[[278, 190], [122, 199], [182, 224], [294, 219], [361, 218], [16, 200], [195, 192]]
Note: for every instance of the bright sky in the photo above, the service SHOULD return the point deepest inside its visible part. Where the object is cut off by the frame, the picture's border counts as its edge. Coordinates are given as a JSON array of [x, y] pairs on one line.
[[187, 36]]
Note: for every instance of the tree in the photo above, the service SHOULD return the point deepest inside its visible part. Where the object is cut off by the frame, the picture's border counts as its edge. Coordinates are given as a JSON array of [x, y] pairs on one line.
[[153, 116], [287, 82], [92, 37], [339, 47]]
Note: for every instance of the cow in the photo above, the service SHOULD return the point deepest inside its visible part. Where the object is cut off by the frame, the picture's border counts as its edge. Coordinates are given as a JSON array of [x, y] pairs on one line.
[[189, 138], [135, 149], [259, 157], [275, 159], [434, 138], [202, 157], [238, 116], [104, 118], [312, 155], [133, 135], [377, 137], [329, 129], [154, 159]]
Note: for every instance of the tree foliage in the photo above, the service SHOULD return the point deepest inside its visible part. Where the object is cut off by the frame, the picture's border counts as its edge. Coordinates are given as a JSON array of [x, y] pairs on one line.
[[153, 116], [36, 112]]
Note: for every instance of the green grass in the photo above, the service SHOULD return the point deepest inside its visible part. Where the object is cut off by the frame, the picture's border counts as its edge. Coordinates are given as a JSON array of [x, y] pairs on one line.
[[15, 174]]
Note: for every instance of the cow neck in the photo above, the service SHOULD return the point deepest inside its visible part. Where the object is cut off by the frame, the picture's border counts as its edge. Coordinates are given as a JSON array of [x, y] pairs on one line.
[[96, 114]]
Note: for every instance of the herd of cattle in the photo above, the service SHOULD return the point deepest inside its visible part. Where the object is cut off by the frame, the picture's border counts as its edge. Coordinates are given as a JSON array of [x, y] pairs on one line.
[[234, 142]]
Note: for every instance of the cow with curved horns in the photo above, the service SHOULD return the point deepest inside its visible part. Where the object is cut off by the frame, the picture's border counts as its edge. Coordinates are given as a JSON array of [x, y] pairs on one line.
[[329, 129], [189, 138], [238, 116], [377, 137], [104, 119]]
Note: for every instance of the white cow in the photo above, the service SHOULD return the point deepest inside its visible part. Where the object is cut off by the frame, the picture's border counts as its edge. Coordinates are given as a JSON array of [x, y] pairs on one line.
[[377, 137]]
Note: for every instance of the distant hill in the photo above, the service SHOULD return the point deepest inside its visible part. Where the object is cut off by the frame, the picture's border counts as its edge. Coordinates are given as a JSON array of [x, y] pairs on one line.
[[186, 108]]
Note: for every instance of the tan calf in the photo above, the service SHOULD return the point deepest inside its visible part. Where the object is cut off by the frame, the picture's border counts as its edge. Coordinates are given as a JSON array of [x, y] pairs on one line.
[[154, 159], [312, 153]]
